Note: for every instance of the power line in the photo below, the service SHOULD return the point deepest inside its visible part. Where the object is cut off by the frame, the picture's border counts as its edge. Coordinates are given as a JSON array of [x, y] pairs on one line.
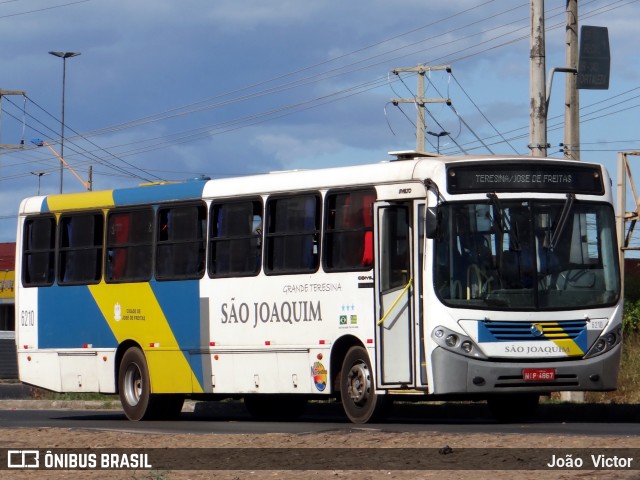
[[9, 15], [342, 70], [482, 113]]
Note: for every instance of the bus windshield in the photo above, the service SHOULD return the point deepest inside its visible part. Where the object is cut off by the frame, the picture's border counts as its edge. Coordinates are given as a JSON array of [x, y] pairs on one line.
[[526, 254]]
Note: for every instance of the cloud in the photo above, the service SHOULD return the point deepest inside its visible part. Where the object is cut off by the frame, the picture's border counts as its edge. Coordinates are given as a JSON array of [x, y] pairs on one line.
[[267, 75], [250, 14]]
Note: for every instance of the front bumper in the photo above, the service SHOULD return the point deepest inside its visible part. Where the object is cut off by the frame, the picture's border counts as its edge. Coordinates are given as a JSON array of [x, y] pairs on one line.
[[455, 374]]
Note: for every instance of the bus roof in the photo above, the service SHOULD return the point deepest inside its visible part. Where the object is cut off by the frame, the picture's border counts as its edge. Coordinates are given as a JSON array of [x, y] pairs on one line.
[[406, 168]]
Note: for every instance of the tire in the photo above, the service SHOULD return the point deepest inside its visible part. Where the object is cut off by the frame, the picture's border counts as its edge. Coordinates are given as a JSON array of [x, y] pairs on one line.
[[513, 408], [277, 408], [134, 384], [357, 388]]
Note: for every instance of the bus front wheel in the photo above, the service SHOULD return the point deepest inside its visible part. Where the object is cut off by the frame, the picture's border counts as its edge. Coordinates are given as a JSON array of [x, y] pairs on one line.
[[357, 388]]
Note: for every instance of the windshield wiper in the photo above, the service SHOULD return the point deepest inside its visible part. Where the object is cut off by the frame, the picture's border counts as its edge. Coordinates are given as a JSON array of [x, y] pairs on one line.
[[505, 225], [562, 221]]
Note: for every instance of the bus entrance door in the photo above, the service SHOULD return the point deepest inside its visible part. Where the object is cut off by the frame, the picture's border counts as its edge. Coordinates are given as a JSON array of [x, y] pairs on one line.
[[394, 292]]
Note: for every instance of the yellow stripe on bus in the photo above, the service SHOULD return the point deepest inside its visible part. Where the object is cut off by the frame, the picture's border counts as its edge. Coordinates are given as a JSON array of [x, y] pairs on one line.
[[80, 200], [568, 346], [133, 313]]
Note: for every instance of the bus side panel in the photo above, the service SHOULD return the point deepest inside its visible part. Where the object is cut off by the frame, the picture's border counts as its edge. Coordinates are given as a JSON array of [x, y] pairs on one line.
[[182, 307], [280, 329], [78, 371], [87, 370], [69, 318], [41, 369], [83, 326], [27, 317], [163, 319], [262, 372]]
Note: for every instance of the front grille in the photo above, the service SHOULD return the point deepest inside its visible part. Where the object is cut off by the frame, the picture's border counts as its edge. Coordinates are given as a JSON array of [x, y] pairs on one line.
[[531, 331]]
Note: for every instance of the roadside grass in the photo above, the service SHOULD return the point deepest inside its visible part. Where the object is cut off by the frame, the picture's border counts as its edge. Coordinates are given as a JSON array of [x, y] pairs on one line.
[[629, 375], [39, 394], [99, 401], [628, 378]]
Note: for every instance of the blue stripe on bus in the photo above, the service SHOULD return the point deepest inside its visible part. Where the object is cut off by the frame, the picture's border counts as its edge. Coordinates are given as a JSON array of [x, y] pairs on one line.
[[180, 303], [582, 340], [68, 317], [155, 193]]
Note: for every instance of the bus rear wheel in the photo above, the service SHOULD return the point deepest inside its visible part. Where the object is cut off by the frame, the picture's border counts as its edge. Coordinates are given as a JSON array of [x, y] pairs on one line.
[[134, 386], [357, 388]]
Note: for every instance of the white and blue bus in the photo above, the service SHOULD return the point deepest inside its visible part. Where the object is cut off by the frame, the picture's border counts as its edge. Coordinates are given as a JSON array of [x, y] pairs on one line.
[[492, 278]]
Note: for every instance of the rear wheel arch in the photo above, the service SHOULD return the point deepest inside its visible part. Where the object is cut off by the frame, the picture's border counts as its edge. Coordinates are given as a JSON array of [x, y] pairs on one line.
[[122, 349], [338, 354], [134, 387]]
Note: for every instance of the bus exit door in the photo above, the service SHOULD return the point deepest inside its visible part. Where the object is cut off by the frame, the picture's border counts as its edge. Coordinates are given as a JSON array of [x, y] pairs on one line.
[[394, 293]]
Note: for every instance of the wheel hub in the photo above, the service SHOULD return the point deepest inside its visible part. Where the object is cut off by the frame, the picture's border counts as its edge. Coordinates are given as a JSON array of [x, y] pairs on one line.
[[359, 383], [133, 385]]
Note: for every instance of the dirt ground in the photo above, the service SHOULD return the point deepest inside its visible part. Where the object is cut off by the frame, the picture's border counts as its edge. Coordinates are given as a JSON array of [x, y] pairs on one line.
[[347, 437]]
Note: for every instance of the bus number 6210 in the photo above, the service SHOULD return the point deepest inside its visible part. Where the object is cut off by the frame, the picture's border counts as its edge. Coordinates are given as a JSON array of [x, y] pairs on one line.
[[27, 318]]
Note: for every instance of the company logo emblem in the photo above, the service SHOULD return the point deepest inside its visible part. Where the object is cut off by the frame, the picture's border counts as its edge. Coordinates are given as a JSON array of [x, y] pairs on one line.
[[117, 312], [537, 330], [319, 373]]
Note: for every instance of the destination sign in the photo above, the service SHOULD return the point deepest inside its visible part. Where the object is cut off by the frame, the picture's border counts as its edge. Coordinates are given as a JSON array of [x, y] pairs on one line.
[[546, 177]]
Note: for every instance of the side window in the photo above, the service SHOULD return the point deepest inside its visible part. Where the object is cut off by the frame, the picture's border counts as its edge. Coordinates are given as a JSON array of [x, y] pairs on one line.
[[80, 249], [395, 259], [181, 242], [129, 246], [236, 239], [348, 232], [38, 252], [293, 231]]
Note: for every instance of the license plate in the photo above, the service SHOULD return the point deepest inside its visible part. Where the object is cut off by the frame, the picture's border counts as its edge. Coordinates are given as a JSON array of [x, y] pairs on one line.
[[538, 374]]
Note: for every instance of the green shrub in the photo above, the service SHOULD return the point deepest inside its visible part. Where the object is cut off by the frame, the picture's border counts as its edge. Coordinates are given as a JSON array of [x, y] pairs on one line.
[[631, 316], [629, 377]]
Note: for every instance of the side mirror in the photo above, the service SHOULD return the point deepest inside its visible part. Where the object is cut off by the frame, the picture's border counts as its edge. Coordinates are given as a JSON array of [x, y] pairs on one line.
[[432, 220]]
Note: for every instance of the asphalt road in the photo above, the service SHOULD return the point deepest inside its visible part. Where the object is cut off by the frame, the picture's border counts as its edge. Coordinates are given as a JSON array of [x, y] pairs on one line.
[[230, 418]]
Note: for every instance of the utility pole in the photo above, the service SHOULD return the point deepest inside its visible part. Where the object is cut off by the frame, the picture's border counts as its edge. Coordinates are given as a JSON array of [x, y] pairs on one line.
[[5, 93], [63, 56], [571, 93], [537, 85], [420, 100]]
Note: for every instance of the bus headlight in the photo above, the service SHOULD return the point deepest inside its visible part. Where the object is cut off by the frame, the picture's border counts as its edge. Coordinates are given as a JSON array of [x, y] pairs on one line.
[[606, 342], [451, 340], [456, 342]]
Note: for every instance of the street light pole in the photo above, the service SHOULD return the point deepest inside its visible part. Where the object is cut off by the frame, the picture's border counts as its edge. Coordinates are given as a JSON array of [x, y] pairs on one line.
[[63, 56], [438, 135], [39, 175]]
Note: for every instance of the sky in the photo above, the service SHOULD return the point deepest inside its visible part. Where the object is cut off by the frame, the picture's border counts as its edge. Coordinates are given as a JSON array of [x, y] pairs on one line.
[[174, 89]]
